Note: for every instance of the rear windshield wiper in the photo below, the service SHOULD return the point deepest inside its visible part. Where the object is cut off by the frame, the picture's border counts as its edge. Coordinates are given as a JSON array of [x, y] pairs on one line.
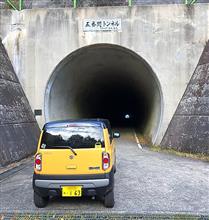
[[72, 150]]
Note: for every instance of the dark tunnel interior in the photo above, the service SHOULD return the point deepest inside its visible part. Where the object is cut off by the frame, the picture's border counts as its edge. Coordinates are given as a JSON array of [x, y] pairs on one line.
[[117, 101], [105, 81]]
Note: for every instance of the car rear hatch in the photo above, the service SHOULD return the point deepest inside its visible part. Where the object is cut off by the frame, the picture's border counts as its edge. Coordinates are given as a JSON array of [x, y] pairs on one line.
[[72, 150]]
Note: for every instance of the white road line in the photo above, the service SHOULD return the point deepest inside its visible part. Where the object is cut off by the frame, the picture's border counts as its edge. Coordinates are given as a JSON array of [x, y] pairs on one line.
[[137, 141]]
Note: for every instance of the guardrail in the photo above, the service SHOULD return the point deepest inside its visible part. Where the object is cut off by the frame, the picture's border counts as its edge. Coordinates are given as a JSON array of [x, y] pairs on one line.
[[21, 4]]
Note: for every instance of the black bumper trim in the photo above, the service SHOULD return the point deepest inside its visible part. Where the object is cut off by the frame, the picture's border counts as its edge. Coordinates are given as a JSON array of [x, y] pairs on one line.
[[70, 177]]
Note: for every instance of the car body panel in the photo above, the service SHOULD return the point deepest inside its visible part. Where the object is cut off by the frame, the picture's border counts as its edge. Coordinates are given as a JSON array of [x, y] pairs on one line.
[[65, 162]]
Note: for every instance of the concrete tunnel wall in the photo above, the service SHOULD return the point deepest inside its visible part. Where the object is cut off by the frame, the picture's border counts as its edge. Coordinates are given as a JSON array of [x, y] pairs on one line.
[[170, 38], [107, 81]]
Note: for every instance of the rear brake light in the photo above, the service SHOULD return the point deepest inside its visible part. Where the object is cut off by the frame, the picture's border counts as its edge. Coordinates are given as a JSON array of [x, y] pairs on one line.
[[38, 164], [105, 161], [38, 161]]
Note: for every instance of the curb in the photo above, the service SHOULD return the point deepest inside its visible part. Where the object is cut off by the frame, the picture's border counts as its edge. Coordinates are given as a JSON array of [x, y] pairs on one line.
[[4, 175]]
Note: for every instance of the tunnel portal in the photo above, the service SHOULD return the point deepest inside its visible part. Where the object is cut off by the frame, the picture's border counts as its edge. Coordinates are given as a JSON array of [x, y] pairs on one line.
[[106, 81]]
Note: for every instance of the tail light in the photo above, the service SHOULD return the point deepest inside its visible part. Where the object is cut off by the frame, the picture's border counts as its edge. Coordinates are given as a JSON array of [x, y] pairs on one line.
[[105, 161], [38, 162]]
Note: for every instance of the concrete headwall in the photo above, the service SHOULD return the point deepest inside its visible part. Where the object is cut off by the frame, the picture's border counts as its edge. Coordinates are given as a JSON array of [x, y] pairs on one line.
[[170, 38], [18, 128]]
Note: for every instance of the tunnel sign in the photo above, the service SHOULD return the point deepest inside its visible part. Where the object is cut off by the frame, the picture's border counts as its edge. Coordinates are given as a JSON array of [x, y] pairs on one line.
[[102, 25]]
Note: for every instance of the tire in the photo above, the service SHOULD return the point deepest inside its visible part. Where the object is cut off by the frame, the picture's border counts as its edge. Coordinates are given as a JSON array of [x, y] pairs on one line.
[[109, 199], [40, 201], [115, 169]]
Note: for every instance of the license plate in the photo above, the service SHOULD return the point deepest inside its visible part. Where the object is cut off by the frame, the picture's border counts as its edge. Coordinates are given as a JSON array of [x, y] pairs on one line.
[[71, 191]]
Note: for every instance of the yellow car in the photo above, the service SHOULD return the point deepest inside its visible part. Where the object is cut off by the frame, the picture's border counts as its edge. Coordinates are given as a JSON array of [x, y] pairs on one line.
[[75, 158]]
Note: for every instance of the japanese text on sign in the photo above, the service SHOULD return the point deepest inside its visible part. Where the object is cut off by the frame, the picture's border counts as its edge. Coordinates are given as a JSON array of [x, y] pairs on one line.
[[102, 25]]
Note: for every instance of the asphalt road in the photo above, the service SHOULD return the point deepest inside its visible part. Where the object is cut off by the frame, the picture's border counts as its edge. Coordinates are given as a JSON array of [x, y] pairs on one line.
[[146, 182]]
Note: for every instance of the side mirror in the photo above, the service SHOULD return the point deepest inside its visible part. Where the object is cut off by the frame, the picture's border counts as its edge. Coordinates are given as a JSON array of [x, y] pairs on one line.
[[116, 135]]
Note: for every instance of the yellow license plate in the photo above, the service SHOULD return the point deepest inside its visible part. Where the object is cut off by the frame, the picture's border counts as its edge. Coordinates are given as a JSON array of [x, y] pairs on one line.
[[71, 191]]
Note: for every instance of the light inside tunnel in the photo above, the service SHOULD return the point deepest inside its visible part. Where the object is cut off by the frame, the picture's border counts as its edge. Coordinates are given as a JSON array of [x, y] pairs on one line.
[[105, 81]]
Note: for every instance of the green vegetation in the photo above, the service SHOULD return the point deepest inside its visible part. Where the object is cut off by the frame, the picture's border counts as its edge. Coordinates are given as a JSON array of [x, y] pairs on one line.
[[196, 156], [157, 148]]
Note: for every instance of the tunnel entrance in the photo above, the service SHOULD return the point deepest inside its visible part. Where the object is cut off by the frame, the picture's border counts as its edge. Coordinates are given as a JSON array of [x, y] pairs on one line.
[[106, 81]]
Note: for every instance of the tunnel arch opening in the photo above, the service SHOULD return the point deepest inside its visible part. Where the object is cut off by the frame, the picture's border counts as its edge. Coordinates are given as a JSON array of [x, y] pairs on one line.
[[106, 81]]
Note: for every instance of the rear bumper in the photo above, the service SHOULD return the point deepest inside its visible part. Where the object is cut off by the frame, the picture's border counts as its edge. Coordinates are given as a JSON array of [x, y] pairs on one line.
[[99, 184], [57, 184]]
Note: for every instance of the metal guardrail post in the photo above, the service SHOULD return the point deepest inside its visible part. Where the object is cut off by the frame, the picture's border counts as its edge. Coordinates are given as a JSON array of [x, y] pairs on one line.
[[74, 3], [18, 8], [20, 5]]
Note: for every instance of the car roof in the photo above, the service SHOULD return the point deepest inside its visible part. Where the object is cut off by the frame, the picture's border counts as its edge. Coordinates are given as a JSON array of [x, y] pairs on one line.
[[104, 123]]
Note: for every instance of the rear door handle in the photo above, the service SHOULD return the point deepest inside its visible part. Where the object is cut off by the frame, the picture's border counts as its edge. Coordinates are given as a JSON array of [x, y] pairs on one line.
[[71, 167]]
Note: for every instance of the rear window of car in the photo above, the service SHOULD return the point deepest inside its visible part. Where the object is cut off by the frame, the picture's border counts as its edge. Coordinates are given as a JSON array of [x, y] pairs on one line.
[[74, 137]]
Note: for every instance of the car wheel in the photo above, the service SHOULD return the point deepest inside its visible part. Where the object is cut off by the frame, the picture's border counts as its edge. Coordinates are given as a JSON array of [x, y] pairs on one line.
[[109, 199], [40, 201]]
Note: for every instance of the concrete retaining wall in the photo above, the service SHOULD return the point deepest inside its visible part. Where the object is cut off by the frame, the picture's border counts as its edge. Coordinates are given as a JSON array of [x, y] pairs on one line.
[[18, 128], [189, 127]]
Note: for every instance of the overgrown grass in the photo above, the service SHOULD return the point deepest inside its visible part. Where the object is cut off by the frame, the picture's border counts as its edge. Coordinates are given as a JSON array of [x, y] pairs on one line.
[[147, 141], [196, 156]]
